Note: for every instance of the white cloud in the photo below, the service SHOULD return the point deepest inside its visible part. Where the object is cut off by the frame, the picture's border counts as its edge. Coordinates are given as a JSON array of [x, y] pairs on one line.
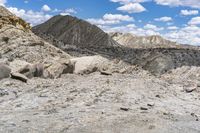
[[110, 19], [185, 3], [67, 11], [185, 35], [172, 28], [188, 3], [189, 12], [46, 8], [30, 16], [130, 28], [194, 21], [26, 1], [153, 27], [168, 2], [117, 17], [129, 1], [102, 21], [132, 8], [163, 19], [3, 2]]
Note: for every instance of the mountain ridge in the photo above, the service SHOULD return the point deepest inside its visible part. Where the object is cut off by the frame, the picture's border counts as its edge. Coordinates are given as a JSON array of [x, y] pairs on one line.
[[134, 41]]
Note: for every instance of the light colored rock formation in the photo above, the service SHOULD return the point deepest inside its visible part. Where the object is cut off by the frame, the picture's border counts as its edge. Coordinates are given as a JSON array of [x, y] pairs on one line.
[[7, 18], [20, 47], [133, 41], [18, 42]]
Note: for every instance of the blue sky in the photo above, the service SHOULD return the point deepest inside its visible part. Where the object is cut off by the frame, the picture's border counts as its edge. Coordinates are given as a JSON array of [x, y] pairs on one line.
[[177, 20]]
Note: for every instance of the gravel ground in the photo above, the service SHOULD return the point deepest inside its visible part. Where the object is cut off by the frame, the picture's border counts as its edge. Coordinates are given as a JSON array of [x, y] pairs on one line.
[[97, 103]]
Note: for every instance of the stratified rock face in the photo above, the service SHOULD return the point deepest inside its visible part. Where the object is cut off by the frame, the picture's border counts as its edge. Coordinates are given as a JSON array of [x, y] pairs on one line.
[[133, 41], [78, 33], [18, 42]]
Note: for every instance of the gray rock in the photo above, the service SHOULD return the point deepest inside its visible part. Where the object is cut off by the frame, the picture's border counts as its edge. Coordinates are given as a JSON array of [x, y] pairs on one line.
[[4, 71], [58, 68], [19, 76], [3, 92], [106, 73], [31, 71]]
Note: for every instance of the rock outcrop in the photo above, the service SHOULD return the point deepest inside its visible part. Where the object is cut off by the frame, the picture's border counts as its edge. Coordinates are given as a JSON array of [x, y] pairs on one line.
[[7, 18], [18, 43], [133, 41]]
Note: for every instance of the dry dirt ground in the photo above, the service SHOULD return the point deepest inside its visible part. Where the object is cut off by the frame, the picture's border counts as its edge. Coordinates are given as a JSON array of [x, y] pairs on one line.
[[95, 103]]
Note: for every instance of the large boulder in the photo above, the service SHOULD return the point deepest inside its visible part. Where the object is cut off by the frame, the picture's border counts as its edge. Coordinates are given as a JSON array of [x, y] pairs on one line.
[[31, 71], [48, 69], [4, 71], [16, 65], [89, 64], [56, 69]]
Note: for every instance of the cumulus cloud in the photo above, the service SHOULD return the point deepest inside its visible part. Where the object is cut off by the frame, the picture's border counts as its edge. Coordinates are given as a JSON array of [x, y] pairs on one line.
[[163, 19], [68, 11], [194, 21], [102, 22], [46, 8], [189, 12], [153, 27], [129, 1], [30, 16], [132, 8], [2, 2], [130, 28], [109, 19], [185, 35], [188, 3], [117, 17], [172, 28], [185, 3]]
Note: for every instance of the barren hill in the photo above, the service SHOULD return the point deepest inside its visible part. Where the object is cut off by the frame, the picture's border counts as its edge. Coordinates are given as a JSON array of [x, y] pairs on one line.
[[72, 34], [134, 41], [18, 42]]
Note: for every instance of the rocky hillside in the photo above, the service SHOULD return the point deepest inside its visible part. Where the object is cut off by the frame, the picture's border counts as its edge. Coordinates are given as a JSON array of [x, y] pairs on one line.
[[133, 41], [19, 47], [73, 34], [79, 38], [18, 42], [31, 56]]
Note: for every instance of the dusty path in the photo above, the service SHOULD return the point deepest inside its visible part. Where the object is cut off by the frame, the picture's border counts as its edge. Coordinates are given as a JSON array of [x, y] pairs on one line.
[[98, 104]]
